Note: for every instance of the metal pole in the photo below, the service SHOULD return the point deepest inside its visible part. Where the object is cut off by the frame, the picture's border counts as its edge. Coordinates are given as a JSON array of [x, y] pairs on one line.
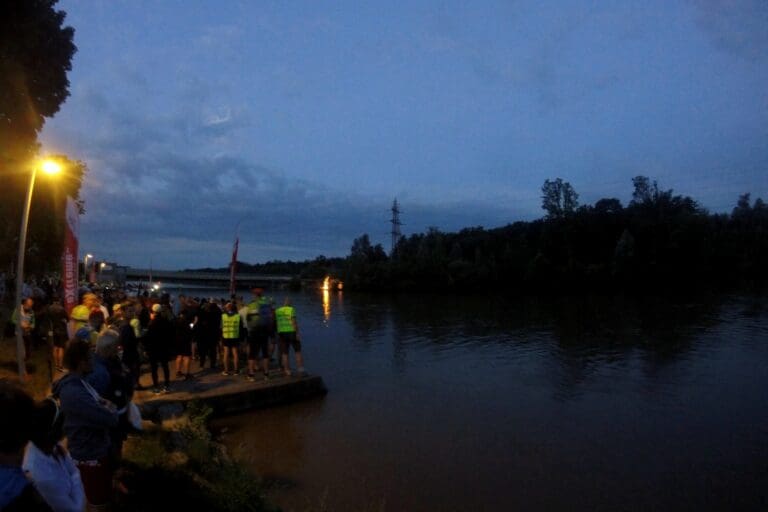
[[20, 352]]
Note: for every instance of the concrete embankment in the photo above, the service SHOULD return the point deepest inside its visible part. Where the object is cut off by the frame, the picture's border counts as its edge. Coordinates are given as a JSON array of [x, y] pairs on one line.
[[228, 394]]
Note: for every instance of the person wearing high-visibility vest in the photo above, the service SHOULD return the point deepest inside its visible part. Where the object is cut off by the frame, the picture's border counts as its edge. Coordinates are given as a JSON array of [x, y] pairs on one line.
[[231, 334], [288, 334]]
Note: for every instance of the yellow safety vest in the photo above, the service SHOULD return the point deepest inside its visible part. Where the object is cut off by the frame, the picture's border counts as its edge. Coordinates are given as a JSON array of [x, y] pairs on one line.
[[284, 317], [230, 326]]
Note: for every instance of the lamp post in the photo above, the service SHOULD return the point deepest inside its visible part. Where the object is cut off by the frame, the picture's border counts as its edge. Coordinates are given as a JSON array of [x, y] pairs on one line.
[[85, 264], [48, 167]]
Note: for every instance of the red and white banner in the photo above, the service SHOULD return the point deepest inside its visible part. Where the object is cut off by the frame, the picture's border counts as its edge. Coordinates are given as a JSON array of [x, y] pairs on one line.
[[69, 260], [233, 268]]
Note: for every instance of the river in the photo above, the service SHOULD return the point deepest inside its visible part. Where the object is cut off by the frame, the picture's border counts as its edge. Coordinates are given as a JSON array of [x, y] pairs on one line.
[[460, 403]]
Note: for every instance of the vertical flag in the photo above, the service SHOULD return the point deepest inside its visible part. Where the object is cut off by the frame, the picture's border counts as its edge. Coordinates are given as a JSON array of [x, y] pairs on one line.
[[69, 260], [233, 268]]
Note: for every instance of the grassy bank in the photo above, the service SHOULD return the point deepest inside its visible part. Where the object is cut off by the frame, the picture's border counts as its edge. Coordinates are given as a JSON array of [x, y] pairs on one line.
[[177, 465]]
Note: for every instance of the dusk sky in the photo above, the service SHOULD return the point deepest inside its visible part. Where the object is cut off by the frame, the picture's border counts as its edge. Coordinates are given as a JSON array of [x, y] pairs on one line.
[[304, 120]]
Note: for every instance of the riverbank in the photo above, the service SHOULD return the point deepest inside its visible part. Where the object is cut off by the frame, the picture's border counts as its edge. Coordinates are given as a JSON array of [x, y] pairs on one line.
[[176, 464], [173, 464]]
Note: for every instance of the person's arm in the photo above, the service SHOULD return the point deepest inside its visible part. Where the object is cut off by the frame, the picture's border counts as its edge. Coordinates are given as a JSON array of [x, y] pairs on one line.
[[79, 403]]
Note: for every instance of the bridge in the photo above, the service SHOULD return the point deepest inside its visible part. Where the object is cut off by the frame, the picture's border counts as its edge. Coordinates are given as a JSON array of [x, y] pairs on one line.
[[205, 278]]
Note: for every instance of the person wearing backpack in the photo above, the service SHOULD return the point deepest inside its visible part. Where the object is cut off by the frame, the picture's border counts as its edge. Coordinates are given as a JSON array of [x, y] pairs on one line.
[[260, 319]]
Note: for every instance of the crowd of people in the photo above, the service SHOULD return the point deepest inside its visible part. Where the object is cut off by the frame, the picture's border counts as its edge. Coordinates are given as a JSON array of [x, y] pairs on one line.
[[97, 353]]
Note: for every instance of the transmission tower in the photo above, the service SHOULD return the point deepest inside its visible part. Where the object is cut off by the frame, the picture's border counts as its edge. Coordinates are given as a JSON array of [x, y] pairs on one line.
[[395, 225]]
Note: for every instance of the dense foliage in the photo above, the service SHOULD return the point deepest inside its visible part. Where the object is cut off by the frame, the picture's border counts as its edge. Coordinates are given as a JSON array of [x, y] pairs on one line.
[[660, 241], [36, 52]]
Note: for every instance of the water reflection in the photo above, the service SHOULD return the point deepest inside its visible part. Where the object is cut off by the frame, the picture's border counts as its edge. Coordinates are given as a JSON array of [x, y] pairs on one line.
[[457, 403], [326, 305]]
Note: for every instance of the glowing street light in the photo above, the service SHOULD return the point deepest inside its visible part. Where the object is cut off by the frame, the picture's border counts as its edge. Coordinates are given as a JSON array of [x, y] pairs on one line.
[[49, 167]]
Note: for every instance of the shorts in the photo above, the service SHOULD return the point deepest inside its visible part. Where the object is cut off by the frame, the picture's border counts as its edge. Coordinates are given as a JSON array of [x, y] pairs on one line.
[[231, 342], [258, 341], [288, 339], [60, 340]]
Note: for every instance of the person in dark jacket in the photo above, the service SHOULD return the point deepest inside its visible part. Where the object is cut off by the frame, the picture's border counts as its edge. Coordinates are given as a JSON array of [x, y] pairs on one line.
[[111, 379], [158, 344], [16, 492], [207, 333], [88, 418]]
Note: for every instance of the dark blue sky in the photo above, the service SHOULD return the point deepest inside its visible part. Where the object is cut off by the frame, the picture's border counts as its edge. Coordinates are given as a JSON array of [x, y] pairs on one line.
[[303, 120]]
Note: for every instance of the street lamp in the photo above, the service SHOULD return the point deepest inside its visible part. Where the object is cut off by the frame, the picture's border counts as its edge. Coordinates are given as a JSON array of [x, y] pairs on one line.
[[48, 167]]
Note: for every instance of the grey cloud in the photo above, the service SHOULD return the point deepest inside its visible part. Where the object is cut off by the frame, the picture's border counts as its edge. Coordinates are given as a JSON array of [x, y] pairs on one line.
[[739, 27]]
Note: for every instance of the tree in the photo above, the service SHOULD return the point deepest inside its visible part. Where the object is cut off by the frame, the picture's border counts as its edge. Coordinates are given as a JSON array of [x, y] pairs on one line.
[[35, 55], [644, 192], [558, 198]]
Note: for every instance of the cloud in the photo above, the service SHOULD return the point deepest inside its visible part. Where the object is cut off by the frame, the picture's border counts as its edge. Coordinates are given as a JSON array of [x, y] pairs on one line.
[[739, 27]]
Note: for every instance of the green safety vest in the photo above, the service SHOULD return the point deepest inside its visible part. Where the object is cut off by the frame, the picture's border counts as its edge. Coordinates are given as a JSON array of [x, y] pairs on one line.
[[255, 307], [285, 316], [230, 326]]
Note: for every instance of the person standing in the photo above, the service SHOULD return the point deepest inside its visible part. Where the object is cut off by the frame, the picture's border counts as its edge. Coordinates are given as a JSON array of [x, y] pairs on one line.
[[184, 324], [78, 317], [208, 331], [24, 318], [17, 494], [55, 323], [231, 335], [157, 342], [48, 464], [260, 321], [88, 419], [288, 334]]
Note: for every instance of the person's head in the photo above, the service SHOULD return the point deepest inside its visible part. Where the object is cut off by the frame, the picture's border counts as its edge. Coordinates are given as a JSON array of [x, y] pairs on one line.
[[257, 292], [156, 309], [48, 422], [90, 300], [229, 307], [17, 410], [287, 301], [107, 344], [96, 319], [28, 303], [77, 357], [117, 309]]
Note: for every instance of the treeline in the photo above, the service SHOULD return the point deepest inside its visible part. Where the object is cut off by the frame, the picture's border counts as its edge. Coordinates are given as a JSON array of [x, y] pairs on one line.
[[317, 268], [658, 242]]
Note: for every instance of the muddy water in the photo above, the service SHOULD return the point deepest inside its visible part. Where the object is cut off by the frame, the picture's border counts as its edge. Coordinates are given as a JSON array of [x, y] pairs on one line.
[[449, 403]]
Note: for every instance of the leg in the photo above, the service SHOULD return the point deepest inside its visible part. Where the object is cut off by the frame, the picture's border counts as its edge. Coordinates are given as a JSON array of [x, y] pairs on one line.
[[166, 371], [153, 368], [226, 358]]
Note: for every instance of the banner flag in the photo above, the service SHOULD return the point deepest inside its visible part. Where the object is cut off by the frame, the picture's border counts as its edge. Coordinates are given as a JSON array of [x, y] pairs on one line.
[[233, 268], [69, 259]]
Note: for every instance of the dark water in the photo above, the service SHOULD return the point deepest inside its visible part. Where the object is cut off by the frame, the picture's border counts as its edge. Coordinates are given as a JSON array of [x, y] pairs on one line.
[[454, 403]]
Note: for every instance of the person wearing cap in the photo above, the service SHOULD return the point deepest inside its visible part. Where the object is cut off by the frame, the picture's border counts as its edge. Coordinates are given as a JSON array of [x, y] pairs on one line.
[[157, 342], [78, 317]]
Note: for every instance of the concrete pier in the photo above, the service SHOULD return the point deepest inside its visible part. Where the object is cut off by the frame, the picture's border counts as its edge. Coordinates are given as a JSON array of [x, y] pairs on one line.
[[227, 394]]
